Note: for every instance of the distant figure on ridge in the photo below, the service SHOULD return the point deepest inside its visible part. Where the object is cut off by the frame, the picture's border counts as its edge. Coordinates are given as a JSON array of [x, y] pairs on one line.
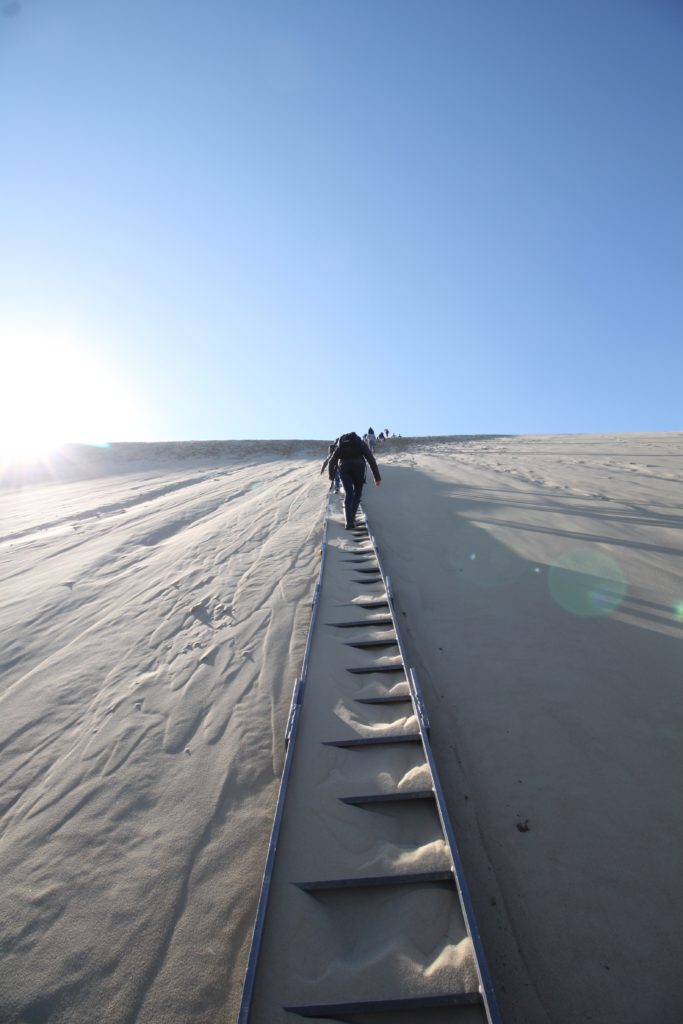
[[350, 456], [371, 439]]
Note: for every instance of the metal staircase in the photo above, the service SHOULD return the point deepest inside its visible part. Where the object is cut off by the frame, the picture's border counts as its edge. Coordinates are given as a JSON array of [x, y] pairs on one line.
[[364, 914]]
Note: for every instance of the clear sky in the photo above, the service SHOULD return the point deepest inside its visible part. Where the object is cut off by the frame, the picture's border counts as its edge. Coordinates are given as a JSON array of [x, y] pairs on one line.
[[292, 218]]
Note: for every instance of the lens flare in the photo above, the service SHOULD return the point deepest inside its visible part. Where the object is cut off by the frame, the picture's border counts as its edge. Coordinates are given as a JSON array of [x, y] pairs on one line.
[[678, 612], [587, 583], [488, 567]]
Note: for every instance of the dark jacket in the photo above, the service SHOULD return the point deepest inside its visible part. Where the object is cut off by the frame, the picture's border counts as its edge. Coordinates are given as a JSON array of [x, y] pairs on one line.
[[326, 462], [335, 461]]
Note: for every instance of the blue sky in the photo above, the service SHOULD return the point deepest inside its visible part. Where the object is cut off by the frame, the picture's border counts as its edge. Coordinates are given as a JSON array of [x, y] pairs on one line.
[[290, 219]]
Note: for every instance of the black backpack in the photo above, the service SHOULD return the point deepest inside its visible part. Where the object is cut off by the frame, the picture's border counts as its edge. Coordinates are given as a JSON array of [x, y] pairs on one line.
[[350, 446]]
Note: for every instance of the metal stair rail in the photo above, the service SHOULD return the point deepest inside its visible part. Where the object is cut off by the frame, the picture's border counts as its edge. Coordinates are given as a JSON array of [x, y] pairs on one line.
[[364, 914]]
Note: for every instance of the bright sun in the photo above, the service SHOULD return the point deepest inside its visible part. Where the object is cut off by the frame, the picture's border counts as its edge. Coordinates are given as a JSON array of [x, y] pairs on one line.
[[54, 392]]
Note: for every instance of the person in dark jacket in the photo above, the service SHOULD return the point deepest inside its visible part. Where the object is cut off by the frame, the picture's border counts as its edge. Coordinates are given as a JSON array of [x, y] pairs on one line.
[[336, 483], [349, 457]]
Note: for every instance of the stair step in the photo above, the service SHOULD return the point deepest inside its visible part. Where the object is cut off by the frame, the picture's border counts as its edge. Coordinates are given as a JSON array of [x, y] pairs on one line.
[[376, 741], [332, 1011], [385, 798], [397, 878]]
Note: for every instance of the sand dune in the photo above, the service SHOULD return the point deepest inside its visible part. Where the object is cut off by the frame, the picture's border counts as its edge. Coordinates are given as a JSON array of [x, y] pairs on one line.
[[154, 602]]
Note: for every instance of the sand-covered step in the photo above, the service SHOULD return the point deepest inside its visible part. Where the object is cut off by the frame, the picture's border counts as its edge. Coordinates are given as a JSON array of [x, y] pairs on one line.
[[374, 881], [399, 1009], [375, 667], [371, 602], [386, 798], [375, 620], [372, 719], [378, 771], [370, 691], [389, 698], [368, 741], [387, 943], [370, 643], [373, 644], [356, 842]]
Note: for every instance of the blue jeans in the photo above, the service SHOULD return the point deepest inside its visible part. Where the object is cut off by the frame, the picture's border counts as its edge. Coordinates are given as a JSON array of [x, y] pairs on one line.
[[352, 472]]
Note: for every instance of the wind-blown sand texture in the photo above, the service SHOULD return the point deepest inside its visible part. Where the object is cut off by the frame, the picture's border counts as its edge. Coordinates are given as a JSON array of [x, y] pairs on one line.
[[154, 602]]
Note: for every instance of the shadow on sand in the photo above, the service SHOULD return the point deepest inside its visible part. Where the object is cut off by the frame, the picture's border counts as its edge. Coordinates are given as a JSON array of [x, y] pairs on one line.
[[557, 738]]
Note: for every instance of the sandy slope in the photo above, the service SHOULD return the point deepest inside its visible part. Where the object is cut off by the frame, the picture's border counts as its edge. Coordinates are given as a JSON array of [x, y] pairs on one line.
[[549, 716], [152, 626], [152, 620]]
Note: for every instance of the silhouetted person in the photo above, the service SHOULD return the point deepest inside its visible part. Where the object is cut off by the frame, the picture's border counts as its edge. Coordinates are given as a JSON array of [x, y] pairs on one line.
[[350, 457], [336, 482]]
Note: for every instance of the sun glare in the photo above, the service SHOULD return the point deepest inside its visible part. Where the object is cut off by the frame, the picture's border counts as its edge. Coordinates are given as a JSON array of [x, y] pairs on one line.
[[54, 392]]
